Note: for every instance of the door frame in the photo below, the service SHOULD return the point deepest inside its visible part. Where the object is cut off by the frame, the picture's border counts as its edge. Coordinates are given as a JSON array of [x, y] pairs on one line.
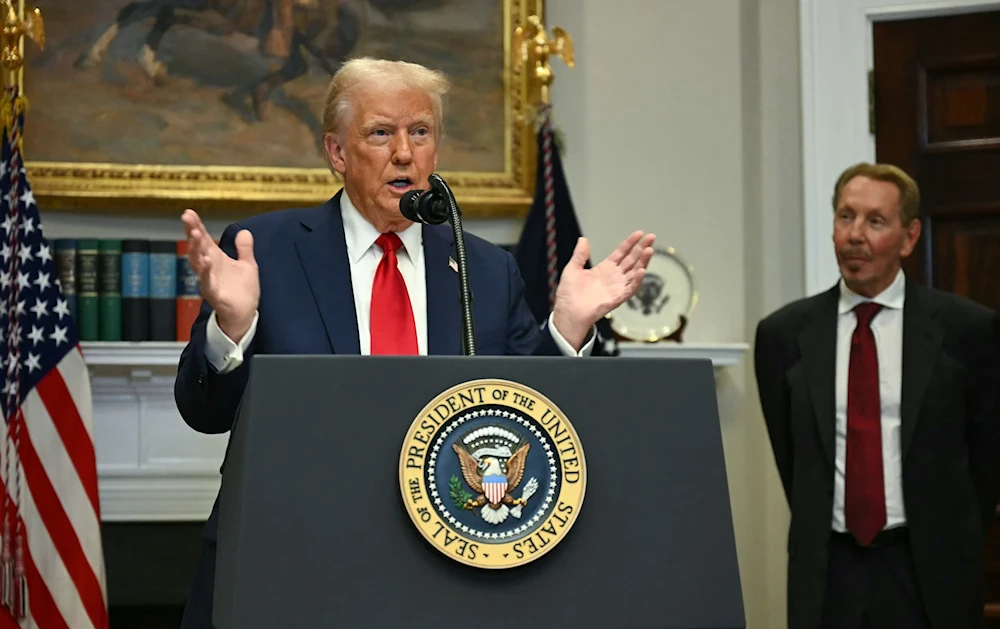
[[837, 53]]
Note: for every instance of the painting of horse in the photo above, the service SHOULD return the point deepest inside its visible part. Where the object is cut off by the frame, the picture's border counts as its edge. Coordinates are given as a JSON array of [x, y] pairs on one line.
[[240, 83]]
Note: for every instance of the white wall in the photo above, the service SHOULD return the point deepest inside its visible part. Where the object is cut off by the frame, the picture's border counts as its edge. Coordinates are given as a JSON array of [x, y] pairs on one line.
[[681, 118]]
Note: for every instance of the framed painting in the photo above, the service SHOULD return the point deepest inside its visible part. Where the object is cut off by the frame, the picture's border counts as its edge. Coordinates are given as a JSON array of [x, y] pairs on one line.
[[156, 105]]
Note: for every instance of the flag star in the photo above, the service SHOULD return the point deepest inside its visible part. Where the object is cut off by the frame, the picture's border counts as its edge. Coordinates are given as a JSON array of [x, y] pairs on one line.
[[59, 335], [10, 387], [33, 362], [22, 280], [3, 169], [42, 281], [17, 335], [5, 279], [13, 368], [9, 197], [29, 223], [44, 254], [41, 308], [5, 252], [25, 254], [62, 308], [7, 223], [37, 335], [19, 308], [29, 200]]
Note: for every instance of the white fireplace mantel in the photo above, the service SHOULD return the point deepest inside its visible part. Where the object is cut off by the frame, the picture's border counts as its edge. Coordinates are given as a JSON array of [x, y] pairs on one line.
[[154, 467]]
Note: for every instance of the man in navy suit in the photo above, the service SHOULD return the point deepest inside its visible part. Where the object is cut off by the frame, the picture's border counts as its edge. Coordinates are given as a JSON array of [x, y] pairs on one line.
[[353, 276]]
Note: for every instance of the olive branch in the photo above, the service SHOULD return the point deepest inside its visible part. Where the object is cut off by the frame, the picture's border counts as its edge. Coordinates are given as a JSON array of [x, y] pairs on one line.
[[458, 494]]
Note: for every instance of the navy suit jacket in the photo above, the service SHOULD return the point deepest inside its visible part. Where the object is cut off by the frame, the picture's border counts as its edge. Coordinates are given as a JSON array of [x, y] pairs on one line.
[[307, 307]]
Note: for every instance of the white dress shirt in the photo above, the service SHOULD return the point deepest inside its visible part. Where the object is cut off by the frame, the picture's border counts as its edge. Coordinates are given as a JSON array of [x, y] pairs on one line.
[[887, 328], [364, 256]]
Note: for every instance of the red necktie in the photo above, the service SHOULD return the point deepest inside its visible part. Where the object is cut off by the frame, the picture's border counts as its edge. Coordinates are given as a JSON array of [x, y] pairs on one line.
[[392, 327], [864, 491]]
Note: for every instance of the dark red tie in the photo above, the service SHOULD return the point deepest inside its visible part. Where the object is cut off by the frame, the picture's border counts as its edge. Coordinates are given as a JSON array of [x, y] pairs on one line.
[[392, 327], [864, 499]]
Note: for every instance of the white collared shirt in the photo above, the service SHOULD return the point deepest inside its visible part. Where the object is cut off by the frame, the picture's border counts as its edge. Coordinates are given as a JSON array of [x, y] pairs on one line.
[[887, 328], [364, 256]]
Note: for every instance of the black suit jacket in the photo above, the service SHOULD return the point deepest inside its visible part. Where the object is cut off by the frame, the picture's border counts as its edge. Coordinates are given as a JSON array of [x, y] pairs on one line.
[[949, 431]]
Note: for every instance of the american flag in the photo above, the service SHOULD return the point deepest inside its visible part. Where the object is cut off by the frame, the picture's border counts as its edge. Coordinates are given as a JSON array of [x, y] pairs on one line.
[[51, 555]]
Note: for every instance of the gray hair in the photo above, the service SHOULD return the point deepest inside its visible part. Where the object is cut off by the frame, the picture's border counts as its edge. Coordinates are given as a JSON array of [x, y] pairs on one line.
[[362, 72]]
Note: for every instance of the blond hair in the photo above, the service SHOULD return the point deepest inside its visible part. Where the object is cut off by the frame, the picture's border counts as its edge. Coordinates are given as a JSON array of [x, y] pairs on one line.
[[362, 72], [909, 192]]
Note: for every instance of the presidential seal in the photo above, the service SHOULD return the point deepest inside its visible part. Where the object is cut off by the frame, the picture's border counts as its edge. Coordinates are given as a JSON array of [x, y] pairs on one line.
[[492, 474]]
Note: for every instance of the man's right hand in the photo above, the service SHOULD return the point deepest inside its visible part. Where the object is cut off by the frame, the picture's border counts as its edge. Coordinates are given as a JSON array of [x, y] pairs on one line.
[[231, 287]]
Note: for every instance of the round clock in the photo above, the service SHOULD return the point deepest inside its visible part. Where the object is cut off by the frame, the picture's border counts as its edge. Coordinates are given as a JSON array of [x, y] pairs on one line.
[[663, 302]]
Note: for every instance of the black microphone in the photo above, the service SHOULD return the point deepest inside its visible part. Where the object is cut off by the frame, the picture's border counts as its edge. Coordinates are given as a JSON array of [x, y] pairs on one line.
[[433, 207], [424, 206]]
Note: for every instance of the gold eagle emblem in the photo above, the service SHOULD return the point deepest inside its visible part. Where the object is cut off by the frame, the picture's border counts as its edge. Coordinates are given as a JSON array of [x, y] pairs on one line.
[[474, 472]]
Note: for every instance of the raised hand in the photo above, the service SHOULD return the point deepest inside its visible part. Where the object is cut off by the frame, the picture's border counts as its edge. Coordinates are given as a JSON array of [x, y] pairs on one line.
[[584, 295], [231, 287]]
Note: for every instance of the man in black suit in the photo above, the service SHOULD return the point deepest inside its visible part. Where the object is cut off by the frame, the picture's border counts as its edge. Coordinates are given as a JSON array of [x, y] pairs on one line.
[[879, 400]]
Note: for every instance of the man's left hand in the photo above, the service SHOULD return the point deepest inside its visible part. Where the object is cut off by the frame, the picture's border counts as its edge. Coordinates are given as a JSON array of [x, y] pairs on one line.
[[585, 295]]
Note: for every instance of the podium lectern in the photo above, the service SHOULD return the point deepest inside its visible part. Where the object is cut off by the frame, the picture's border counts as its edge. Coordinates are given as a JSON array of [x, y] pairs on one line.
[[314, 530]]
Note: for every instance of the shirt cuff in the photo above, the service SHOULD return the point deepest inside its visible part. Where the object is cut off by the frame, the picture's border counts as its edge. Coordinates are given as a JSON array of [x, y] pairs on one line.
[[563, 344], [220, 351]]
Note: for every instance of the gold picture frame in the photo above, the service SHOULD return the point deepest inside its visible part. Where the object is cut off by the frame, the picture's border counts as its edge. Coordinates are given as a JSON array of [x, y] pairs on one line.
[[145, 188]]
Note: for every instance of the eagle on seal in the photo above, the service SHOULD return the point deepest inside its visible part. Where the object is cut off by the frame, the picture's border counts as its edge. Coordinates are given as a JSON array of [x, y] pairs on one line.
[[492, 486]]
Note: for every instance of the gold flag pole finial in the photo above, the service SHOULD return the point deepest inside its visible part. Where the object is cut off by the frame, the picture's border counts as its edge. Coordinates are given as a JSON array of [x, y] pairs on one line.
[[16, 24], [531, 44]]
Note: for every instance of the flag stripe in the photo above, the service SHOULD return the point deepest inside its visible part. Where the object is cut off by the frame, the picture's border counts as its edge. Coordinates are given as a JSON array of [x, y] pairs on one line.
[[73, 369], [44, 612], [64, 538], [6, 622], [66, 483], [75, 437]]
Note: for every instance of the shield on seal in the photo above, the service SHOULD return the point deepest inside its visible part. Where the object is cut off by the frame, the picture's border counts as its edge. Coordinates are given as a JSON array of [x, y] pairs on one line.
[[495, 487]]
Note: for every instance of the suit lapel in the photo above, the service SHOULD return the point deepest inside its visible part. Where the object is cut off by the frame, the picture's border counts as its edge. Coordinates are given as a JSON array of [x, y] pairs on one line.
[[922, 337], [818, 347], [444, 325], [322, 250]]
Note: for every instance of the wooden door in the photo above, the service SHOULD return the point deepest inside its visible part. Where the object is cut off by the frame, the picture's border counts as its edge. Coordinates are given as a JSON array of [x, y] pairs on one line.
[[936, 114]]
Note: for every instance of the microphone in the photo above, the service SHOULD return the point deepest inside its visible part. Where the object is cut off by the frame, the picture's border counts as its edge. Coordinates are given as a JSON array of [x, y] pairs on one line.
[[424, 206], [433, 207]]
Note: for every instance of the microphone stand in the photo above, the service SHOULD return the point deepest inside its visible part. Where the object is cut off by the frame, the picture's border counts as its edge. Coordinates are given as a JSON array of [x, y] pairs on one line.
[[464, 292]]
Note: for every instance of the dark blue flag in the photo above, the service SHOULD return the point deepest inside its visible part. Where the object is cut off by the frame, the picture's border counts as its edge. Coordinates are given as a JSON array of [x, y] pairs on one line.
[[549, 236]]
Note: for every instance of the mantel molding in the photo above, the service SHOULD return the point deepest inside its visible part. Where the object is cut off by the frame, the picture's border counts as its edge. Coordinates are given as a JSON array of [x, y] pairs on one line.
[[104, 354], [721, 354], [146, 354]]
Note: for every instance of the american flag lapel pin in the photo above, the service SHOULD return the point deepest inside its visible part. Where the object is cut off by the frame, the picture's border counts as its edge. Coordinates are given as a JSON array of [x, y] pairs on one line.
[[453, 264]]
